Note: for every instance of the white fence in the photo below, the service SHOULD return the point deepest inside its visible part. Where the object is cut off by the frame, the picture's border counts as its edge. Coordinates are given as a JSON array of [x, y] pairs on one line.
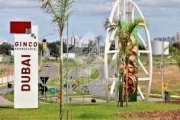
[[6, 79]]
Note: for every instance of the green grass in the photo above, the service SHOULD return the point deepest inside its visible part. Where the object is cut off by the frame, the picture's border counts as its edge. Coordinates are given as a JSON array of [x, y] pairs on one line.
[[82, 111], [52, 82], [85, 111], [107, 111], [44, 112], [156, 58], [9, 96], [71, 63], [80, 94], [94, 74]]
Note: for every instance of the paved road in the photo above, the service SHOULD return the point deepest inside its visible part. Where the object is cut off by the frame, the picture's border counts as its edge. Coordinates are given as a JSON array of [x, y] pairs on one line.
[[49, 70], [4, 89], [4, 102], [98, 87], [76, 73]]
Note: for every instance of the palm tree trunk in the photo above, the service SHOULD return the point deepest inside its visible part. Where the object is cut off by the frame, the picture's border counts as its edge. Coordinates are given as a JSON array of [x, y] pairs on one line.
[[126, 92], [122, 91], [61, 74], [120, 94], [179, 71]]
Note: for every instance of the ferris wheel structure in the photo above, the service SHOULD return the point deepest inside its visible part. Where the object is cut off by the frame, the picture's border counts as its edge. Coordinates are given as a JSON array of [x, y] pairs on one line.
[[127, 10]]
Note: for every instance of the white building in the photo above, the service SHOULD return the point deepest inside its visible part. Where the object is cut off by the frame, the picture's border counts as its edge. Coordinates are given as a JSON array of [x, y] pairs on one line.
[[158, 47], [178, 36], [99, 43], [76, 41]]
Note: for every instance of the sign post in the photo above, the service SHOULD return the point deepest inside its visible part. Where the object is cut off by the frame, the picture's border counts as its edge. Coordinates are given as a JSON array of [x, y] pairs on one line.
[[26, 69], [44, 80]]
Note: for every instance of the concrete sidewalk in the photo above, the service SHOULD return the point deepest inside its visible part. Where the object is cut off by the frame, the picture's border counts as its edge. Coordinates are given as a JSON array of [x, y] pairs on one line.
[[4, 102]]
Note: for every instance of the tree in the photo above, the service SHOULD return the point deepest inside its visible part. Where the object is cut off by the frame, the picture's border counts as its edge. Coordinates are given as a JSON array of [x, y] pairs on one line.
[[5, 48], [175, 55], [176, 45], [60, 9], [54, 48], [125, 33], [39, 48]]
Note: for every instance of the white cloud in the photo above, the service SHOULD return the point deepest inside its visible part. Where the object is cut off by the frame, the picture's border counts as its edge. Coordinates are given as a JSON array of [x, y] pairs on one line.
[[19, 4], [88, 15], [93, 7]]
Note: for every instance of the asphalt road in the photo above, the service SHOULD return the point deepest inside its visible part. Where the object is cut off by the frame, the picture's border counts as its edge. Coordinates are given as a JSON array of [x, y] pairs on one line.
[[49, 70], [4, 89], [76, 73]]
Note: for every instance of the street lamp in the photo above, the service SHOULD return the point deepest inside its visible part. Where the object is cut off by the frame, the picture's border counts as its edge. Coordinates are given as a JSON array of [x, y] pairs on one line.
[[67, 64]]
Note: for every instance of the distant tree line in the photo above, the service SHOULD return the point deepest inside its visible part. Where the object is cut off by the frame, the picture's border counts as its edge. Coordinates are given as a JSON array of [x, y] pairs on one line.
[[54, 48], [5, 48], [177, 45]]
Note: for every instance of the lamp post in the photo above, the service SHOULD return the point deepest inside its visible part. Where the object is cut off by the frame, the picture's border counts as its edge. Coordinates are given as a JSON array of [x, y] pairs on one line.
[[162, 70], [67, 65]]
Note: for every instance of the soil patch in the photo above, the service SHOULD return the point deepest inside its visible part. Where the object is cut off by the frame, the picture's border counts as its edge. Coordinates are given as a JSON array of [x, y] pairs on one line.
[[155, 115], [171, 78], [170, 101]]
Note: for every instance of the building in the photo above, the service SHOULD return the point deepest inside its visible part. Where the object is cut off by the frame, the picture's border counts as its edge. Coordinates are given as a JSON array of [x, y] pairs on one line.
[[99, 44], [178, 36], [76, 41]]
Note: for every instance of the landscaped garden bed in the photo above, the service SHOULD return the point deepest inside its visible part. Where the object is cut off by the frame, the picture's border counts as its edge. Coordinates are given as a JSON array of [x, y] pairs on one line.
[[155, 115]]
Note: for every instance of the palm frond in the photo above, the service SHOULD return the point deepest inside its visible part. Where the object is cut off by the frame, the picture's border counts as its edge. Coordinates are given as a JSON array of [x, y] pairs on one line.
[[132, 25], [60, 9], [112, 26]]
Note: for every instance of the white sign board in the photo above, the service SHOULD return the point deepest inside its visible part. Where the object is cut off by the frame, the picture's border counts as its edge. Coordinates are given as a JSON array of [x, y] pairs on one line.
[[26, 71]]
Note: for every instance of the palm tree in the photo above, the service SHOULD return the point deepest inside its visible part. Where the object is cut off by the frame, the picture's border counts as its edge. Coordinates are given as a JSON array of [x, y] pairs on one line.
[[125, 34], [60, 9]]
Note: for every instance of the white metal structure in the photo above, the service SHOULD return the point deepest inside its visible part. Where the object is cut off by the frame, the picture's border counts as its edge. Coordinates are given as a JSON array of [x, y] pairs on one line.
[[127, 10]]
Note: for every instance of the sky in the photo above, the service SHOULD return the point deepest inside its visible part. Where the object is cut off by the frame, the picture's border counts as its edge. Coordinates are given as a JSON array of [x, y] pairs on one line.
[[163, 17]]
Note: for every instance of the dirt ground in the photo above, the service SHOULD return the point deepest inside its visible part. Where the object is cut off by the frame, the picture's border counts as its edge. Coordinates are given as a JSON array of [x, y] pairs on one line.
[[156, 115], [171, 78]]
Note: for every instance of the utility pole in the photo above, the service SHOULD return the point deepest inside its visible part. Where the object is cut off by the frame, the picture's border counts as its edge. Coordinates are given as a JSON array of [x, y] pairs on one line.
[[67, 83], [162, 70]]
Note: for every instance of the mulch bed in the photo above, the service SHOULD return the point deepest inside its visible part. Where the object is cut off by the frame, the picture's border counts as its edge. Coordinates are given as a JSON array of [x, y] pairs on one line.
[[170, 101], [156, 115]]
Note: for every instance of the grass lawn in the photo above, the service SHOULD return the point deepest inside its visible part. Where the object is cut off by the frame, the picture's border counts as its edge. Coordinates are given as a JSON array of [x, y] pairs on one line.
[[96, 111], [94, 73], [107, 111], [44, 112], [84, 80]]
